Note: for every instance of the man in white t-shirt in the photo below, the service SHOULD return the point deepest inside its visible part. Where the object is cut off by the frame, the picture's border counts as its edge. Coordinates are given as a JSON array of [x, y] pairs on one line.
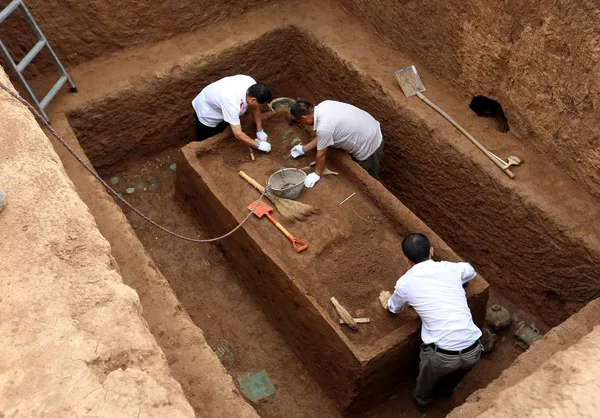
[[450, 338], [339, 125], [223, 102]]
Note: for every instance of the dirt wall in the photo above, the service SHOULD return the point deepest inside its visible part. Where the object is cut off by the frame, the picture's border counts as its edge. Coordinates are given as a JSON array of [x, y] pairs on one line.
[[564, 386], [160, 114], [538, 59], [206, 384], [551, 378], [74, 341], [79, 31], [521, 249]]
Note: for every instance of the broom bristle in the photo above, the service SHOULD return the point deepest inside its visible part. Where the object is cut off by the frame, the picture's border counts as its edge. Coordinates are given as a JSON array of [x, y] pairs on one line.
[[291, 210]]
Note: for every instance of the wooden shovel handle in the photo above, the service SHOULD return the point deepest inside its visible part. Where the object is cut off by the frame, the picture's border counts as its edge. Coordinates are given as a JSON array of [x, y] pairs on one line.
[[468, 135], [251, 181], [298, 244]]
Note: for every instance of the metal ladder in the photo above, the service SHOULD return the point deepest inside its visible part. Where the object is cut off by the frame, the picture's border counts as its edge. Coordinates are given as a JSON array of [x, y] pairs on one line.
[[41, 44]]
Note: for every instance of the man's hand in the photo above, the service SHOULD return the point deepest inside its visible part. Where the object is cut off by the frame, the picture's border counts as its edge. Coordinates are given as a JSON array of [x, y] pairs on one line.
[[263, 146], [311, 179], [261, 135], [297, 151], [384, 298]]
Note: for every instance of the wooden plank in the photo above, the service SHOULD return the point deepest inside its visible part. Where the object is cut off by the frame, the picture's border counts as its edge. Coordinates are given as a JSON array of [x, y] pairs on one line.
[[358, 320]]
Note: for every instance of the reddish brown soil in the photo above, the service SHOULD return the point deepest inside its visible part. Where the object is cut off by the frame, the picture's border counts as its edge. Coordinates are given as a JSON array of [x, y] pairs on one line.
[[495, 222], [209, 289], [532, 58], [353, 250], [351, 257], [505, 243], [210, 292], [81, 31]]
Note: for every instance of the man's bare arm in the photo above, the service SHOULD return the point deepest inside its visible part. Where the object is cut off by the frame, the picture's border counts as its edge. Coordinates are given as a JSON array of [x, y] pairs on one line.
[[257, 119], [320, 166], [240, 135], [311, 145]]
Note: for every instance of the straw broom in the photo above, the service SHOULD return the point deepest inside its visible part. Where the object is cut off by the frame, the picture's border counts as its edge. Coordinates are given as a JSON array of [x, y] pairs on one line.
[[290, 210]]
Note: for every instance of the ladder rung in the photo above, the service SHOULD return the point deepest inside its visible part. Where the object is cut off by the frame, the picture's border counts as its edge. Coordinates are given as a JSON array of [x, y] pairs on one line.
[[9, 9], [61, 81], [30, 55]]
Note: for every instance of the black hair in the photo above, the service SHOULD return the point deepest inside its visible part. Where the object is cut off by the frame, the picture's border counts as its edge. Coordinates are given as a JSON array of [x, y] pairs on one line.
[[301, 108], [416, 247], [261, 92]]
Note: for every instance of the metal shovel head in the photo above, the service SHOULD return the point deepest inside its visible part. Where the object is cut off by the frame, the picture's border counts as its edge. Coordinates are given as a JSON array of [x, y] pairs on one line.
[[261, 210], [409, 81]]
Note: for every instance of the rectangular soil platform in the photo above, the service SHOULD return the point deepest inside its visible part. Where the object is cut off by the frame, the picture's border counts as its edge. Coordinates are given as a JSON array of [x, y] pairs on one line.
[[354, 252]]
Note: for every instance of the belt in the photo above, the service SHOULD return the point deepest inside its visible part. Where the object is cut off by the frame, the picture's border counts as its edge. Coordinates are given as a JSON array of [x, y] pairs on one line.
[[454, 353]]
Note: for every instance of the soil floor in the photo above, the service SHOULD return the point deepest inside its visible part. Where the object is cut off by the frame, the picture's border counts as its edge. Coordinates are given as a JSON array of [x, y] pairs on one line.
[[352, 249], [234, 324]]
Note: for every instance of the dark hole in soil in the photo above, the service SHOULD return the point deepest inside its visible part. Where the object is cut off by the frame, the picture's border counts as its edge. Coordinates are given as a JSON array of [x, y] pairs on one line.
[[488, 108]]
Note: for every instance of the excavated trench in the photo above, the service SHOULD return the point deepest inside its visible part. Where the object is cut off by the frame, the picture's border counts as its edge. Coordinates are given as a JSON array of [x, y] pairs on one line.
[[134, 134]]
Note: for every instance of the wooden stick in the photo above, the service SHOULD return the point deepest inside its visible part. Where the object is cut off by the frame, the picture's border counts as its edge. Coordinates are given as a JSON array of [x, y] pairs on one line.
[[358, 320], [343, 313], [468, 135], [343, 201]]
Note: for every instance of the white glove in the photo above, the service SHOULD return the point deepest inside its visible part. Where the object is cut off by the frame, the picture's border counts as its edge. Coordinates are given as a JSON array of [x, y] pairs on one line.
[[263, 146], [384, 299], [311, 179], [297, 151], [262, 136]]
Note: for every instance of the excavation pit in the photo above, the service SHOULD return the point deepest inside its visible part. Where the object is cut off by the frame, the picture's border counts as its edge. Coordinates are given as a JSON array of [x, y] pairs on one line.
[[353, 253], [418, 164], [496, 225]]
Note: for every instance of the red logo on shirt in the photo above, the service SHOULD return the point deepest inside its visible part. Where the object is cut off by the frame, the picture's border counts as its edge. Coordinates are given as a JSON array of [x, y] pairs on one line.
[[241, 105]]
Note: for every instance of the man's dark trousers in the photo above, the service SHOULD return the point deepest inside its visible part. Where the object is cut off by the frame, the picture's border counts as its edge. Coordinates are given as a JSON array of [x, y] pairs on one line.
[[440, 373], [204, 132]]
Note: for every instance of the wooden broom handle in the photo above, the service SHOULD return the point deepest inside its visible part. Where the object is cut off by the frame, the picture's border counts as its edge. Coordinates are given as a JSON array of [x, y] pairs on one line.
[[468, 135], [251, 181]]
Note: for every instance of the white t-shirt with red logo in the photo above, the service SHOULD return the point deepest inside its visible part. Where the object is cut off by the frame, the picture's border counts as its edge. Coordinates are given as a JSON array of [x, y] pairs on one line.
[[223, 100]]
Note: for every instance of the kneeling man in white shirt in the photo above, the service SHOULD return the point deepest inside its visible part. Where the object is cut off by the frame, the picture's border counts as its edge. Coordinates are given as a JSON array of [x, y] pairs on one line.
[[450, 338], [221, 104]]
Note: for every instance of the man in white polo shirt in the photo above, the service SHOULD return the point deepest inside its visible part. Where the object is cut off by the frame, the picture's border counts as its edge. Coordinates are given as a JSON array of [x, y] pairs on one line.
[[339, 125], [450, 338], [223, 102]]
